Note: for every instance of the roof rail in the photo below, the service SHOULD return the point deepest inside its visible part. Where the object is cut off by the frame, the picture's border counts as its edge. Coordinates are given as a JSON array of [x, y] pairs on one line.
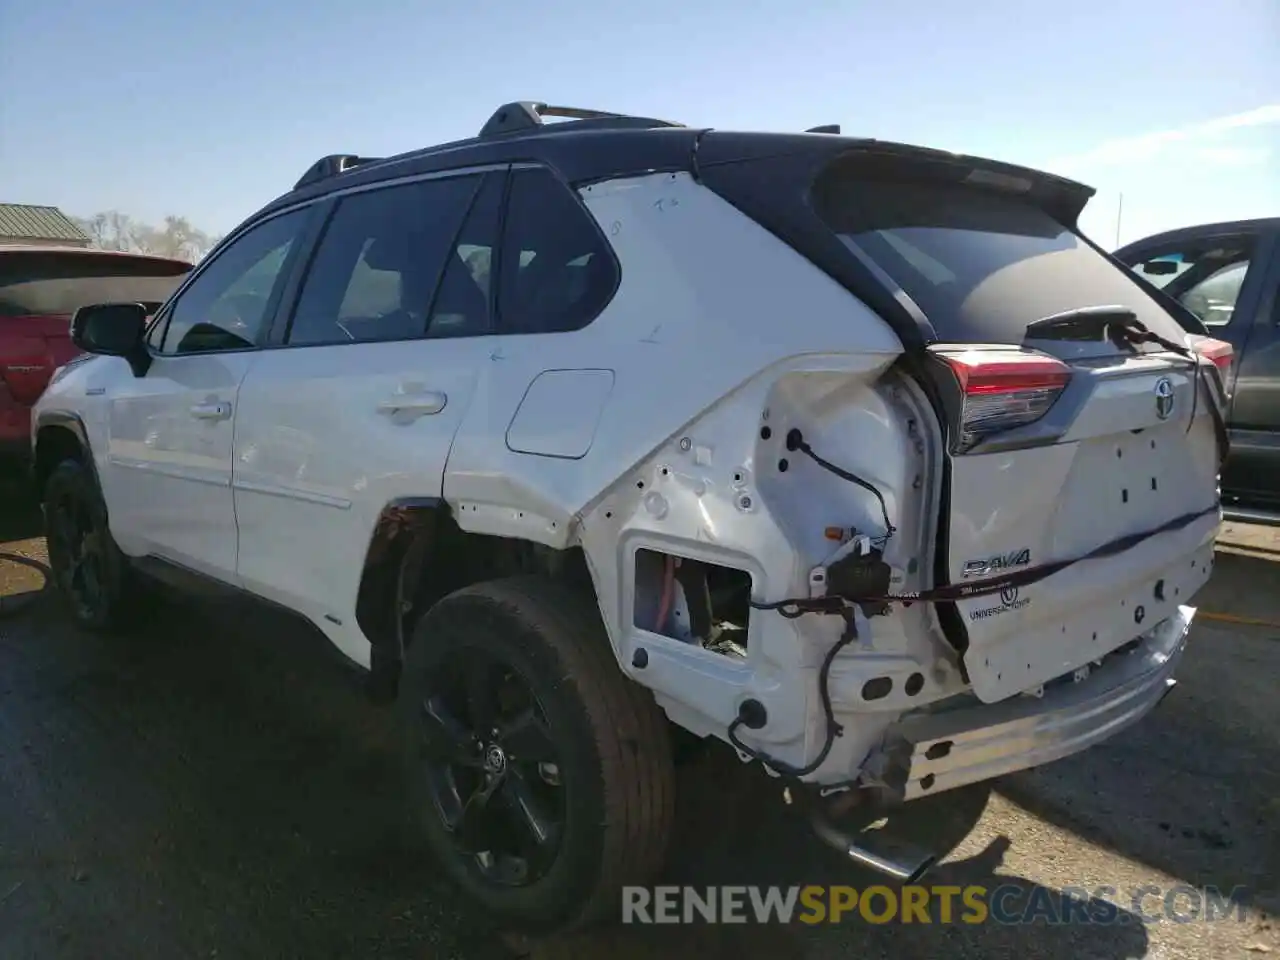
[[524, 116], [331, 166]]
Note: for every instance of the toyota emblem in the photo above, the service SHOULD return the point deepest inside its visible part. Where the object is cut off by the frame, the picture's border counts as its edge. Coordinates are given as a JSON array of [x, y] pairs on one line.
[[1164, 398], [495, 760]]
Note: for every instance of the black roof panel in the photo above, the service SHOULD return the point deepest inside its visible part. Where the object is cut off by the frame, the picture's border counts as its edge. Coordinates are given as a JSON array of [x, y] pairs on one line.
[[578, 155]]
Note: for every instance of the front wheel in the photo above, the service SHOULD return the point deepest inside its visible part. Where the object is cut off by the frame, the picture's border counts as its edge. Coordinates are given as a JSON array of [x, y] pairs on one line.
[[540, 774], [87, 567]]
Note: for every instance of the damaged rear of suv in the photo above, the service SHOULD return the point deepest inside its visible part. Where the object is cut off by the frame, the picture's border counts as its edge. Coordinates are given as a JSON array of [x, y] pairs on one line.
[[969, 558], [1055, 506], [854, 455]]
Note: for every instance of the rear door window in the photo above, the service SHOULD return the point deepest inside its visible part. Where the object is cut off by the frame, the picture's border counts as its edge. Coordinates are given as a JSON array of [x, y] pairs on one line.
[[379, 262], [981, 265]]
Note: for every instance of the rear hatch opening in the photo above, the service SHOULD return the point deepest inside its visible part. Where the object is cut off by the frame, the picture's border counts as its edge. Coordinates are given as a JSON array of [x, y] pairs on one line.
[[1073, 413]]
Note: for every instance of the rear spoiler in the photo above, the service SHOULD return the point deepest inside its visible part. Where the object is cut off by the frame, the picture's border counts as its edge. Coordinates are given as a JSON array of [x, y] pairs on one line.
[[770, 178], [806, 156]]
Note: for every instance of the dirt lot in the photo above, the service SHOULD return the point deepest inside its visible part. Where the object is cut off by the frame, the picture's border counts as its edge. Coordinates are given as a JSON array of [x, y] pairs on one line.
[[215, 786]]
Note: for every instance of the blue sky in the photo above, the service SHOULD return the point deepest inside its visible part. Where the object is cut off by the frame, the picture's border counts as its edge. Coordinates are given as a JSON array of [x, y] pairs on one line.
[[211, 109]]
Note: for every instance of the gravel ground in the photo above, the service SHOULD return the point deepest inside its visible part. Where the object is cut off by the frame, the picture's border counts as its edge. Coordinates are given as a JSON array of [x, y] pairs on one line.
[[215, 786]]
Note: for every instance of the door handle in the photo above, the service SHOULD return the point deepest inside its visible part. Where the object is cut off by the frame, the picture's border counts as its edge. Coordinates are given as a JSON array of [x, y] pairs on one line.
[[414, 404], [211, 411]]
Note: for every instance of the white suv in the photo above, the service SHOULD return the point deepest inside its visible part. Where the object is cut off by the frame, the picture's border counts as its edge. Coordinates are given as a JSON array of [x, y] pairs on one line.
[[855, 455]]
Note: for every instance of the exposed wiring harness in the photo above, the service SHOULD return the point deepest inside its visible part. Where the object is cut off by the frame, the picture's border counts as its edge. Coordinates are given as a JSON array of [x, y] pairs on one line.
[[796, 607], [796, 441], [751, 712], [791, 609]]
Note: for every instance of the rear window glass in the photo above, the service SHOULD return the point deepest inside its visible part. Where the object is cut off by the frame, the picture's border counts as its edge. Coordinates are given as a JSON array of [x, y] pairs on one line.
[[980, 265], [43, 284]]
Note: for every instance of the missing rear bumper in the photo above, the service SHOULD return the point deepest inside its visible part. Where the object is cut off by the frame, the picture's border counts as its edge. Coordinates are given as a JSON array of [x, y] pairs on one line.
[[928, 753]]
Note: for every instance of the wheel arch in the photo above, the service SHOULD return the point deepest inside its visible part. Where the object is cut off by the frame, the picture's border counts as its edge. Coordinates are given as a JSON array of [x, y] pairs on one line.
[[418, 554], [59, 435]]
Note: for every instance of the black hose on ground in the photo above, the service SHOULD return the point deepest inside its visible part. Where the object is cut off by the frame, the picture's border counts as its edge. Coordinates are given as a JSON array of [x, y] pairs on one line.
[[12, 606]]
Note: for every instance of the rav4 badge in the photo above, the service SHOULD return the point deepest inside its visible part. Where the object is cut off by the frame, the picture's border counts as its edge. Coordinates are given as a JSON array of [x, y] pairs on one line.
[[993, 565]]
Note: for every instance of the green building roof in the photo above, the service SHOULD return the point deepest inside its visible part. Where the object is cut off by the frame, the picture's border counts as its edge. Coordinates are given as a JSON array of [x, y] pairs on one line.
[[23, 222]]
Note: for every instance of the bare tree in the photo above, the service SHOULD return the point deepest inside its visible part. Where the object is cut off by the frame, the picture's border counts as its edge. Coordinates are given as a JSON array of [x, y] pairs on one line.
[[111, 230], [176, 237]]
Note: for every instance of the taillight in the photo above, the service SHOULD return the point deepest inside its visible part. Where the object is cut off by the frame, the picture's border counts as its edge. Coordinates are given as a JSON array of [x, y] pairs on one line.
[[1218, 352], [1003, 389]]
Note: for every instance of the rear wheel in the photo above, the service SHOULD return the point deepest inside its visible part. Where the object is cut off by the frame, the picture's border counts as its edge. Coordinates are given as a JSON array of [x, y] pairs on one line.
[[87, 567], [540, 775]]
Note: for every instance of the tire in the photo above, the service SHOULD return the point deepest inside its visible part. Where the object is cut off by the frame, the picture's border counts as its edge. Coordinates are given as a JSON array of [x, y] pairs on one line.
[[81, 547], [613, 780]]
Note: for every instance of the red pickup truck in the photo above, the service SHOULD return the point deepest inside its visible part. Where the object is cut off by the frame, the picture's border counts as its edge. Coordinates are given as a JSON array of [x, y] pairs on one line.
[[40, 288]]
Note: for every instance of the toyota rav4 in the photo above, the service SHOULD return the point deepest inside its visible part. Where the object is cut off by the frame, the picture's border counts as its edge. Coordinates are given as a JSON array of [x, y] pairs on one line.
[[855, 455]]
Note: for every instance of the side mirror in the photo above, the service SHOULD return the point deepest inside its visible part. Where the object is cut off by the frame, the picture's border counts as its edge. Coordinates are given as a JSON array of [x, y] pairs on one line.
[[113, 330]]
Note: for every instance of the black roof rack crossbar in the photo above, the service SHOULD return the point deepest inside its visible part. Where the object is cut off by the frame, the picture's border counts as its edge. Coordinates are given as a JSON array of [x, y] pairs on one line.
[[524, 116], [331, 166]]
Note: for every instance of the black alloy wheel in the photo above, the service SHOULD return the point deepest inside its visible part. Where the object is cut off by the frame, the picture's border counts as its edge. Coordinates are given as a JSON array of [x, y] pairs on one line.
[[87, 566], [77, 552], [539, 774], [492, 767]]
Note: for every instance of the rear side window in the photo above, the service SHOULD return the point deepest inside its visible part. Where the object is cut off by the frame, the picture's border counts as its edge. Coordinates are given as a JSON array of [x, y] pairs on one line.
[[54, 283], [558, 272], [981, 265], [376, 269]]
